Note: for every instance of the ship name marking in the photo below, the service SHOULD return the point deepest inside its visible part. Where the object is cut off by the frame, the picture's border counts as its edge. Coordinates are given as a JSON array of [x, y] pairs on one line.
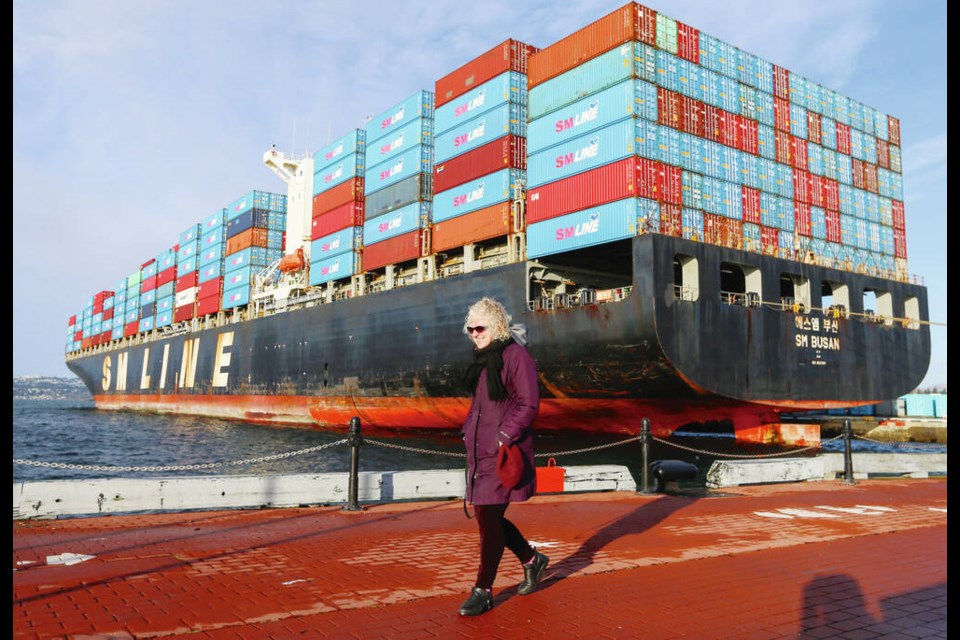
[[144, 376], [222, 359], [188, 363]]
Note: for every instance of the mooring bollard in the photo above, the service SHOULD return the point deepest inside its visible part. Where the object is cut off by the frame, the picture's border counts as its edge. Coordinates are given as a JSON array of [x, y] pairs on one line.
[[645, 444], [847, 453], [355, 440]]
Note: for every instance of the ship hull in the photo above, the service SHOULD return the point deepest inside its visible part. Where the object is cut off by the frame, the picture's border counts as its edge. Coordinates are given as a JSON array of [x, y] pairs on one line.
[[394, 358]]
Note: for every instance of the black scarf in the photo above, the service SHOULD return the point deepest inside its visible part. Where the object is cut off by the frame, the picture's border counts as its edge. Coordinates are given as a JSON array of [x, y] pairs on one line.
[[491, 359]]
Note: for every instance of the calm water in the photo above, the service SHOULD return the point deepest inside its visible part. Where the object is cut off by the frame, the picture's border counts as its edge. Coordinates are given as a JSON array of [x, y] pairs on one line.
[[75, 433]]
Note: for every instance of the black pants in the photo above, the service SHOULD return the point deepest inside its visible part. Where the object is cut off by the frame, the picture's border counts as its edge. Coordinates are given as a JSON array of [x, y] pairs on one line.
[[497, 533]]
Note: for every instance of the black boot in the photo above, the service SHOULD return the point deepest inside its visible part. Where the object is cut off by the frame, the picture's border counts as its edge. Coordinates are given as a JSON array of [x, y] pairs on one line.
[[532, 572], [480, 601]]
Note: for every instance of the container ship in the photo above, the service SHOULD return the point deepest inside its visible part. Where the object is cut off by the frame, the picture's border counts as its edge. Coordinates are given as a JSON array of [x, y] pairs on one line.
[[688, 232]]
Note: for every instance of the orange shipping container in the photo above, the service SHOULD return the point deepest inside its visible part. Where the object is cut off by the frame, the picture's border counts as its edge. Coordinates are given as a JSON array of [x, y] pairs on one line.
[[252, 237], [486, 223], [509, 55], [893, 127], [671, 220], [349, 191], [630, 22], [722, 231], [402, 248]]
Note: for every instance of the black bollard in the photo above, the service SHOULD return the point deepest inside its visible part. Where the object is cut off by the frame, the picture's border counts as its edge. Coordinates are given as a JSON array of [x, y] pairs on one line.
[[847, 453], [355, 440], [645, 443]]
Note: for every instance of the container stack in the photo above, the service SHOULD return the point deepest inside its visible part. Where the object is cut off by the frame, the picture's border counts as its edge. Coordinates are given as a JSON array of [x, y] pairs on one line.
[[117, 305], [481, 152], [210, 264], [641, 123], [185, 287], [253, 239], [399, 162], [338, 209], [166, 280]]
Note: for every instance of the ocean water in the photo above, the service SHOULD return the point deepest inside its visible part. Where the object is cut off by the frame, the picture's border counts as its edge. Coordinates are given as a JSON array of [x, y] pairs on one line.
[[62, 435]]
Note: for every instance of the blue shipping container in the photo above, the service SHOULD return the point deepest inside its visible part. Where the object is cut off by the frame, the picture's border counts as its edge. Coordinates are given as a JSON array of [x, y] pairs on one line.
[[483, 192], [509, 86], [585, 228], [352, 142], [335, 268], [210, 271], [418, 159], [419, 105], [632, 97], [238, 277], [333, 174], [420, 131], [236, 297], [493, 124], [348, 239], [594, 149], [413, 216]]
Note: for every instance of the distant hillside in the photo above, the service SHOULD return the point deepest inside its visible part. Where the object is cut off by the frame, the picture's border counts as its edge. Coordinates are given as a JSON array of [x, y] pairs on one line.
[[42, 388]]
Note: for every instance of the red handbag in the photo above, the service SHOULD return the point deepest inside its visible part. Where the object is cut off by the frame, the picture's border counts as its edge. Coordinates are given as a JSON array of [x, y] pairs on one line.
[[509, 465]]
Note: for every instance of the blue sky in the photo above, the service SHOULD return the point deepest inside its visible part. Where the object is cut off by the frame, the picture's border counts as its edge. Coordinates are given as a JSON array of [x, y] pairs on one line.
[[134, 120]]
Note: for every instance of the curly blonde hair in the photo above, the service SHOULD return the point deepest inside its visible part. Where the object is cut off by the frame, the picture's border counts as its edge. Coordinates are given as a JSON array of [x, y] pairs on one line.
[[492, 315]]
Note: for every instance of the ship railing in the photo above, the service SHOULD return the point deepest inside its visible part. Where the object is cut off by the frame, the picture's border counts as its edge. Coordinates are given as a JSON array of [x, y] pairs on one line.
[[733, 298], [685, 292]]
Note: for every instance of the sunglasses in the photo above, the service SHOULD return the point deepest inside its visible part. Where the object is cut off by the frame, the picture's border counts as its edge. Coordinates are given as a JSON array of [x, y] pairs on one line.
[[476, 330]]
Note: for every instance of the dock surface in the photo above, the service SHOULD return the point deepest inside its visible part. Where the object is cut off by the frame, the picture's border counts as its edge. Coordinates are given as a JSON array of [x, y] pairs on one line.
[[822, 559]]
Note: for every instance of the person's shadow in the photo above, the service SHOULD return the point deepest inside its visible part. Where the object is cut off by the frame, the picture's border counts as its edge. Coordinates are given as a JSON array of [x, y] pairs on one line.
[[835, 602], [635, 522]]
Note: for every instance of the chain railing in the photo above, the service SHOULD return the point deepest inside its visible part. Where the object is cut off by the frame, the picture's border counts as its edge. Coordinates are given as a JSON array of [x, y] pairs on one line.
[[355, 440]]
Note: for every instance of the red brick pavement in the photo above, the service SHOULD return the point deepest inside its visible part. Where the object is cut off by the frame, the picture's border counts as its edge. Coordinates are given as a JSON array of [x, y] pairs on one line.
[[807, 560]]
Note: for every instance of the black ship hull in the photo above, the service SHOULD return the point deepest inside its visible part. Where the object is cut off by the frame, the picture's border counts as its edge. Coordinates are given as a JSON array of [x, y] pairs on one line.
[[655, 349]]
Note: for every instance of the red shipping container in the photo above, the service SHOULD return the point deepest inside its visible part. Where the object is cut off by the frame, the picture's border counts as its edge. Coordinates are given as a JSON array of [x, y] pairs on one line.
[[346, 215], [814, 127], [801, 185], [871, 180], [859, 174], [769, 240], [72, 321], [784, 146], [148, 263], [208, 305], [798, 152], [210, 289], [751, 204], [899, 243], [509, 55], [893, 129], [402, 248], [688, 42], [843, 138], [691, 116], [833, 225], [591, 188], [630, 22], [86, 343], [899, 219], [130, 329], [831, 194], [713, 122], [486, 223], [668, 108], [671, 220], [108, 314], [801, 219], [95, 340], [670, 183], [731, 130], [508, 152], [184, 312], [252, 237], [148, 284], [781, 114], [78, 335], [781, 82], [648, 180], [349, 191], [723, 231], [749, 136], [186, 281], [167, 275], [883, 153], [99, 297], [105, 337]]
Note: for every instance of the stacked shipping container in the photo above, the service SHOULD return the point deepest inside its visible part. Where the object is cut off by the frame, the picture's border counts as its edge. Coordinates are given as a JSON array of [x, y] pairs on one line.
[[253, 239], [481, 128], [400, 155], [338, 208]]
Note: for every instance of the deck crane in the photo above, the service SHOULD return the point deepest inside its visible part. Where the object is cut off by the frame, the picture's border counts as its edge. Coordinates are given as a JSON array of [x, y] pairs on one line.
[[288, 276]]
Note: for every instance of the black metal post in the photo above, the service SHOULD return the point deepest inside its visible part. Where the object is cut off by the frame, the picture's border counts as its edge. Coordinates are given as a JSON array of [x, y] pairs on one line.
[[645, 443], [847, 453], [355, 440]]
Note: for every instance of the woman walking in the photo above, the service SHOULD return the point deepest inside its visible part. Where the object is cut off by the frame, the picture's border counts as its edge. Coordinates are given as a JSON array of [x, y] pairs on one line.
[[506, 399]]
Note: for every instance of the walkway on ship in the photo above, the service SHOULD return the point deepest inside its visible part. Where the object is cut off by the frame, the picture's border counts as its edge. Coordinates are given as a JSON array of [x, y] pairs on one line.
[[812, 560]]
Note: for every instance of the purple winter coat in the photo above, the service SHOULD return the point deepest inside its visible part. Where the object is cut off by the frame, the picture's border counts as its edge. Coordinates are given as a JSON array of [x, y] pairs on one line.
[[489, 422]]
